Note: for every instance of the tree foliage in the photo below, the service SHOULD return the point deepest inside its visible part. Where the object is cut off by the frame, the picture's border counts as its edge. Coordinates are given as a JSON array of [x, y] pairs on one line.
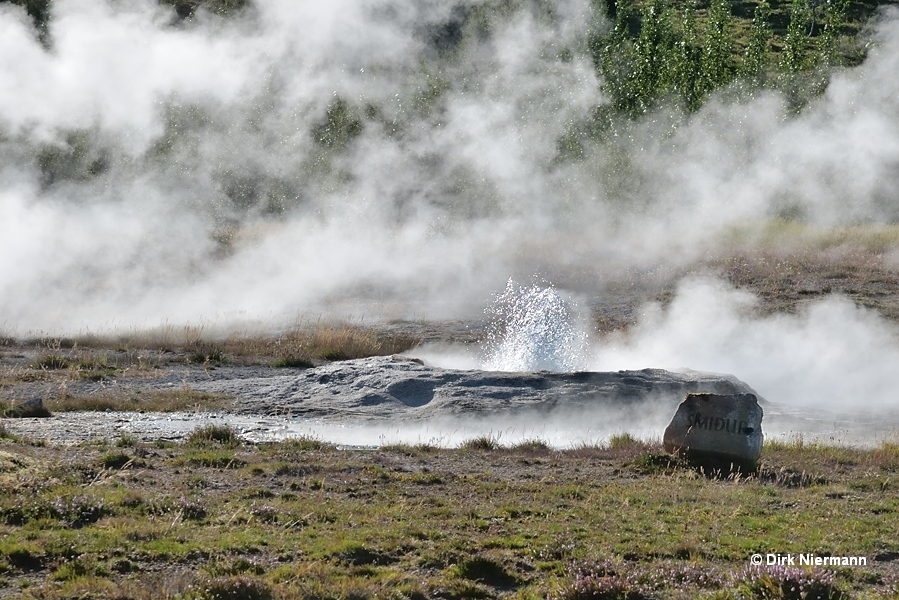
[[661, 51]]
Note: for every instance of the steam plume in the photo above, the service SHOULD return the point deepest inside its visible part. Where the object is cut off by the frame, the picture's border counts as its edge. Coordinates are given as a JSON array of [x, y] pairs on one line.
[[376, 159]]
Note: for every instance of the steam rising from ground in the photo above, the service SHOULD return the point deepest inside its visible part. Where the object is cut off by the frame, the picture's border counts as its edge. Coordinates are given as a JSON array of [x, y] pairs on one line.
[[827, 370], [375, 159], [832, 354], [402, 159]]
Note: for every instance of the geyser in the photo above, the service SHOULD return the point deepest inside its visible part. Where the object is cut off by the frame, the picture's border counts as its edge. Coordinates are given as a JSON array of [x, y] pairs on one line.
[[403, 160], [533, 328]]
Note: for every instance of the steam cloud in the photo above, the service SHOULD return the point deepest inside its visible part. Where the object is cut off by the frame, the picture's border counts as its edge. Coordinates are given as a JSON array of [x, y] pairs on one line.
[[367, 158], [832, 354]]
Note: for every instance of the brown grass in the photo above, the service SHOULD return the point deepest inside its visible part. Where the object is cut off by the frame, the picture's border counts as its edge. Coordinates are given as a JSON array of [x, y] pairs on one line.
[[178, 400], [96, 355], [318, 344]]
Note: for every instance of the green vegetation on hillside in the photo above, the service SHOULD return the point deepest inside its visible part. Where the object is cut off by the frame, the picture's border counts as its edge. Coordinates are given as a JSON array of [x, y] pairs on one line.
[[39, 10], [663, 50], [655, 49], [654, 59]]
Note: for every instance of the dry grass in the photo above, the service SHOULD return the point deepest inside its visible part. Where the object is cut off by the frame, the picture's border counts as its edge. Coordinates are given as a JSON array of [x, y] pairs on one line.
[[792, 236], [316, 344], [97, 355], [175, 400]]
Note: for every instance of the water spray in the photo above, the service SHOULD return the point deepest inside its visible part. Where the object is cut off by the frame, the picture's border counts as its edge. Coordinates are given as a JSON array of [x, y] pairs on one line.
[[533, 328]]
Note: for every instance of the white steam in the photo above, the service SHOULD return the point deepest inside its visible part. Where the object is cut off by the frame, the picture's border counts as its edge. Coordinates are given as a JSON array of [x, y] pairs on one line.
[[828, 370], [832, 354], [377, 159]]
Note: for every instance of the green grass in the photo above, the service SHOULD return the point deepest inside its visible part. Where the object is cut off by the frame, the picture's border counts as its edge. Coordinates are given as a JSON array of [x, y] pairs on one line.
[[302, 519], [624, 440], [223, 435]]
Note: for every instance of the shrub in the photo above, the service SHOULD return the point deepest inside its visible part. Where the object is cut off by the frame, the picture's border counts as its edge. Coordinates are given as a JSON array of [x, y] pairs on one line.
[[602, 580], [79, 510], [266, 513], [609, 580], [339, 127], [33, 408], [191, 510]]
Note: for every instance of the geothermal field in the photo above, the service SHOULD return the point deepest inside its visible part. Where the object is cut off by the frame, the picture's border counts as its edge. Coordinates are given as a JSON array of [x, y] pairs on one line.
[[394, 299]]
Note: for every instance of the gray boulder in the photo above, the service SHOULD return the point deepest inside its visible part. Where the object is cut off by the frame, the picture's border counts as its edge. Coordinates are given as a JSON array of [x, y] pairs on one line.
[[29, 408], [717, 431]]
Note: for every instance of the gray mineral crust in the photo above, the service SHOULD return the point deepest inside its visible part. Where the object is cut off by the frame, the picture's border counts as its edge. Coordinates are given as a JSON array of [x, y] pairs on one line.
[[405, 388]]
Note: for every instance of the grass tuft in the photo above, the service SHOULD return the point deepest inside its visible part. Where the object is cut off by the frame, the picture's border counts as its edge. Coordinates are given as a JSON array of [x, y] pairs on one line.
[[483, 443], [623, 441], [126, 441], [115, 460], [485, 570], [292, 362], [535, 446], [305, 443], [51, 362], [173, 400], [224, 435]]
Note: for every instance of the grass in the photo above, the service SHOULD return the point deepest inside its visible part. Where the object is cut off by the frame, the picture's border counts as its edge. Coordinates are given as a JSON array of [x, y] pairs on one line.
[[89, 356], [215, 518], [223, 435], [56, 361], [170, 400], [482, 443], [794, 235]]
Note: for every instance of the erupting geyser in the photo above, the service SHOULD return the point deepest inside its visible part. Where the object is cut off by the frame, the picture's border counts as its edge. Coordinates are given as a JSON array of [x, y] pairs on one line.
[[533, 329]]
